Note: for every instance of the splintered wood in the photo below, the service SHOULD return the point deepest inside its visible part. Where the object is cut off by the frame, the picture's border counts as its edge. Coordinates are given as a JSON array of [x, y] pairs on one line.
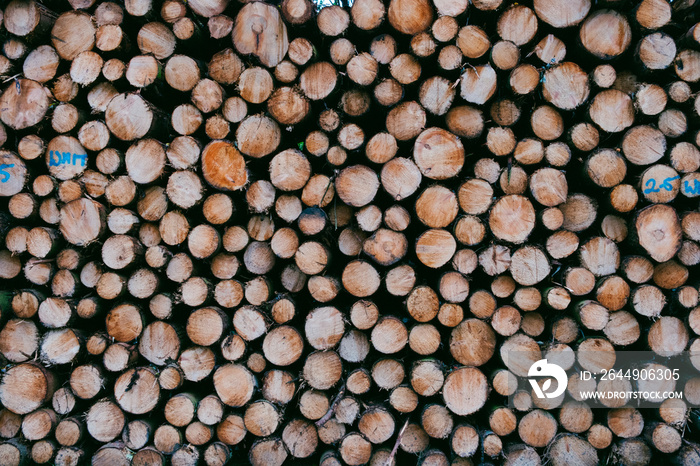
[[268, 232]]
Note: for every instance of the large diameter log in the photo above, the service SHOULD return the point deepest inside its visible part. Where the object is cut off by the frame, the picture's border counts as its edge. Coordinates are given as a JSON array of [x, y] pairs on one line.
[[258, 136], [478, 84], [368, 14], [410, 16], [137, 390], [145, 161], [297, 11], [529, 266], [465, 391], [438, 154], [518, 24], [269, 451], [562, 14], [512, 218], [23, 103], [606, 34], [571, 449], [23, 18], [318, 80], [260, 31], [565, 86], [288, 106], [234, 384], [208, 8], [82, 221], [612, 110], [129, 117], [105, 421], [472, 342], [66, 158], [386, 247], [26, 387], [357, 185], [73, 33], [19, 339], [289, 170], [223, 167], [643, 145], [333, 20], [435, 247], [157, 39]]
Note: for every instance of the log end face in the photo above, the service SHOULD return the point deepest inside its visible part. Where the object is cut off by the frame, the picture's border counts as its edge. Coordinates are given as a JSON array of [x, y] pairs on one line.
[[13, 174], [234, 384], [260, 31], [137, 391], [438, 154], [223, 166], [24, 103], [82, 221], [72, 33], [659, 232], [466, 390], [357, 185], [565, 86], [562, 13], [128, 117], [606, 34], [410, 16], [21, 17], [24, 388], [386, 247]]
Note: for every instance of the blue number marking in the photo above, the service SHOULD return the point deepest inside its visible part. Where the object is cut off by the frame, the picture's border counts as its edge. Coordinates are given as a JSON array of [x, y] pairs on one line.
[[665, 185], [653, 189], [57, 158], [694, 189], [5, 174]]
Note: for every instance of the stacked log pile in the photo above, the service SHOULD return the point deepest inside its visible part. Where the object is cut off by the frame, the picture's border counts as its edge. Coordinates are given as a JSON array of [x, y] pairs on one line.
[[266, 233]]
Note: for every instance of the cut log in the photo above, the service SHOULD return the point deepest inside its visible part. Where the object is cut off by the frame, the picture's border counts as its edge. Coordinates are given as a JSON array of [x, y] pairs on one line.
[[605, 34], [410, 16], [260, 31]]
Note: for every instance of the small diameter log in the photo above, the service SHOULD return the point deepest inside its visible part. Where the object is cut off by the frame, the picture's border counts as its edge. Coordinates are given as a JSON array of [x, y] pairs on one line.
[[297, 11], [659, 232], [13, 176]]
